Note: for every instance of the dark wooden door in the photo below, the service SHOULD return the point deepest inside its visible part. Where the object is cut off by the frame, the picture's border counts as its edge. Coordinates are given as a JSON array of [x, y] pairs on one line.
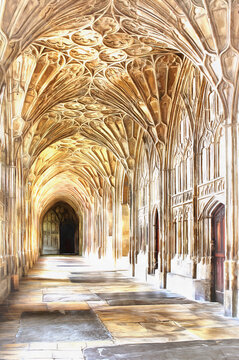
[[67, 238], [219, 255]]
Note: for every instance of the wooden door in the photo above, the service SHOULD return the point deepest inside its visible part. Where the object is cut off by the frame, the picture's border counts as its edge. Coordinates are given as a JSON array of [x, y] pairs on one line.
[[219, 254], [67, 238], [50, 234]]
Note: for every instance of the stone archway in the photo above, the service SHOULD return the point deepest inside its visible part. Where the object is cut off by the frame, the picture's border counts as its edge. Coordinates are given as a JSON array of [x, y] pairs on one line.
[[60, 234]]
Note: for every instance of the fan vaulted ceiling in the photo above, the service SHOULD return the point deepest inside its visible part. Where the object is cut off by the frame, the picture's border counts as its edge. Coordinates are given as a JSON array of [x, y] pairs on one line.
[[87, 79]]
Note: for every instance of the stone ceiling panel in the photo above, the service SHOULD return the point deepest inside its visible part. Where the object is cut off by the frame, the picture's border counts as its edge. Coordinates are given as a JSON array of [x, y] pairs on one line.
[[85, 80]]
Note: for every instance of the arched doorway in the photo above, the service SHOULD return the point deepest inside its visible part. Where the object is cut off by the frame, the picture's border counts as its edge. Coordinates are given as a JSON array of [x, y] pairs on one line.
[[156, 241], [60, 230], [218, 236]]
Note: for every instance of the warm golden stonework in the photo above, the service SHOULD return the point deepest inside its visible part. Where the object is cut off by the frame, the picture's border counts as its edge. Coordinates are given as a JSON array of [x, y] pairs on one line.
[[123, 116]]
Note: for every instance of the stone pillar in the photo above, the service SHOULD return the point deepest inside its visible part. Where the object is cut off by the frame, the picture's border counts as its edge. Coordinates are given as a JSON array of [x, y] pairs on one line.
[[28, 219], [117, 231], [232, 217], [11, 170], [170, 222], [13, 260], [109, 226], [194, 253], [133, 223], [104, 222], [85, 231], [2, 204], [4, 283], [151, 265], [2, 185]]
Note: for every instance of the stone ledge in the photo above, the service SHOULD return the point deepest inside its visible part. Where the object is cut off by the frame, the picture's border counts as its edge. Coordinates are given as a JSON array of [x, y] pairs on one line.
[[191, 288]]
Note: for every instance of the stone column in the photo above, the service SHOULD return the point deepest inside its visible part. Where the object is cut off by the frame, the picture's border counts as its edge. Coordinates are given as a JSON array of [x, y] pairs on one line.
[[28, 224], [231, 264], [12, 216], [133, 222], [104, 223], [194, 250], [11, 176], [170, 221], [116, 230], [85, 231], [109, 226], [151, 234], [4, 283], [165, 224]]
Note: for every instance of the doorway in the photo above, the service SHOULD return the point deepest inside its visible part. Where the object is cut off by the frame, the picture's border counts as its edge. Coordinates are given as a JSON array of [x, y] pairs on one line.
[[218, 236], [60, 230], [67, 238]]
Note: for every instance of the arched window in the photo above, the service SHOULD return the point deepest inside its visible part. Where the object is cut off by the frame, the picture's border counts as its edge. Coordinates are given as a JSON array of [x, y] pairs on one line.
[[222, 152], [204, 165], [183, 157]]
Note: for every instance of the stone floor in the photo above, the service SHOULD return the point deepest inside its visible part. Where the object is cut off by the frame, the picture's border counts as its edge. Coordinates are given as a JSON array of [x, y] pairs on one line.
[[66, 309]]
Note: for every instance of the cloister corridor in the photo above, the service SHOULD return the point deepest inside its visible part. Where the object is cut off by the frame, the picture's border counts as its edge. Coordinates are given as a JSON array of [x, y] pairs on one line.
[[66, 309], [119, 186]]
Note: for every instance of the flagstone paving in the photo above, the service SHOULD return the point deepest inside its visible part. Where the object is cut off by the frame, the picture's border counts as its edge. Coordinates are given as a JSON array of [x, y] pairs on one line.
[[65, 309]]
